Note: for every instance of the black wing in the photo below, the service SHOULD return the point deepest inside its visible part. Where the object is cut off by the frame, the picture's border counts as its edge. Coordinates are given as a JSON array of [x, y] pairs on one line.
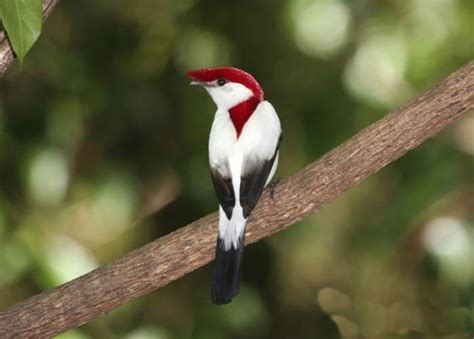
[[224, 191], [254, 177]]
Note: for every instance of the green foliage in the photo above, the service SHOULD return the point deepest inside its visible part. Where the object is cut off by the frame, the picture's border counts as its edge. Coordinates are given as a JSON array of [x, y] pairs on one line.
[[22, 20]]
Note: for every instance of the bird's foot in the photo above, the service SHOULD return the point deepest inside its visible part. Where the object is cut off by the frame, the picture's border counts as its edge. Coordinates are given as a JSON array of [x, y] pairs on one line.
[[271, 187]]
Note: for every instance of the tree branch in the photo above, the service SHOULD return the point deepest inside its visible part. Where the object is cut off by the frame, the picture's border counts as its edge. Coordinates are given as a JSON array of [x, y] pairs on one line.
[[171, 257], [6, 51]]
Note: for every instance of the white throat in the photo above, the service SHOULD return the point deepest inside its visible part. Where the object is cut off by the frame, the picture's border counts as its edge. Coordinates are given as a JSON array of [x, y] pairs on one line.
[[229, 95]]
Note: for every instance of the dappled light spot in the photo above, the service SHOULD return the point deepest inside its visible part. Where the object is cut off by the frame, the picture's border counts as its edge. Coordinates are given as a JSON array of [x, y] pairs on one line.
[[448, 239], [48, 177], [376, 72], [67, 259], [321, 28]]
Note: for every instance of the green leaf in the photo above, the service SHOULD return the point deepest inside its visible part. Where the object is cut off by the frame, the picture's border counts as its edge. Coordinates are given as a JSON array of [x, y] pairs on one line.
[[22, 20]]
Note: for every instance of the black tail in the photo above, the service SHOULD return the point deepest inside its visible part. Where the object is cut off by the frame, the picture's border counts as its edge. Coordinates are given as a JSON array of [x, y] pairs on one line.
[[226, 272]]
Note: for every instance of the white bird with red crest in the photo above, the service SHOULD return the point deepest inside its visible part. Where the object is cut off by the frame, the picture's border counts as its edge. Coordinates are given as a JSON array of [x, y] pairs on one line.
[[243, 155]]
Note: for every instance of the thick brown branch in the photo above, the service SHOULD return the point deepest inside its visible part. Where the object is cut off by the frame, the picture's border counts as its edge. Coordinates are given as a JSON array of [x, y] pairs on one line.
[[6, 52], [170, 257]]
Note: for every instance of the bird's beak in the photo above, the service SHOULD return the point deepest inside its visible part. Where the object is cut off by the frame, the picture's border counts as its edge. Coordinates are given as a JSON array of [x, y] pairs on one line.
[[199, 83]]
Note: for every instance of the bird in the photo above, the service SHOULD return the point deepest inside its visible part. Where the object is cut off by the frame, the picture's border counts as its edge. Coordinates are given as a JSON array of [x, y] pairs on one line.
[[243, 157]]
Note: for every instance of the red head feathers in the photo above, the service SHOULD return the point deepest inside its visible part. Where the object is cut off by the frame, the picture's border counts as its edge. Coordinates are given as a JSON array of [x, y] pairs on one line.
[[230, 74]]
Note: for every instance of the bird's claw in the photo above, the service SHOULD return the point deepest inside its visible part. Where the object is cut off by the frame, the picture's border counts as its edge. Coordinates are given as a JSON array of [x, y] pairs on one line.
[[271, 187]]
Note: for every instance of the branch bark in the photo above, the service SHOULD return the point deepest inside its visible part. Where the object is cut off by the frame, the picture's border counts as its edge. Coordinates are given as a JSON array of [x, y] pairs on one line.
[[6, 52], [171, 257]]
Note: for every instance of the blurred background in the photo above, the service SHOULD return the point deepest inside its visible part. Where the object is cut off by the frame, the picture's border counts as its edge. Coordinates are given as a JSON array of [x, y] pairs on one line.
[[103, 148]]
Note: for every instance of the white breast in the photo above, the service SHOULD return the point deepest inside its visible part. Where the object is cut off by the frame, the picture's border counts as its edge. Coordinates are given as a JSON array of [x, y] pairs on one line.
[[260, 134], [258, 138]]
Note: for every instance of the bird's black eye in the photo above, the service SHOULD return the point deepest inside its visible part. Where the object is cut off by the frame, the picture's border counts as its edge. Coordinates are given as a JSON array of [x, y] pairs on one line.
[[221, 81]]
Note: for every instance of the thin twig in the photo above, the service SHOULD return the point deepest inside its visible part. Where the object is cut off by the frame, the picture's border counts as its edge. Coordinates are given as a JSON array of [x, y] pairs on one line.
[[6, 52]]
